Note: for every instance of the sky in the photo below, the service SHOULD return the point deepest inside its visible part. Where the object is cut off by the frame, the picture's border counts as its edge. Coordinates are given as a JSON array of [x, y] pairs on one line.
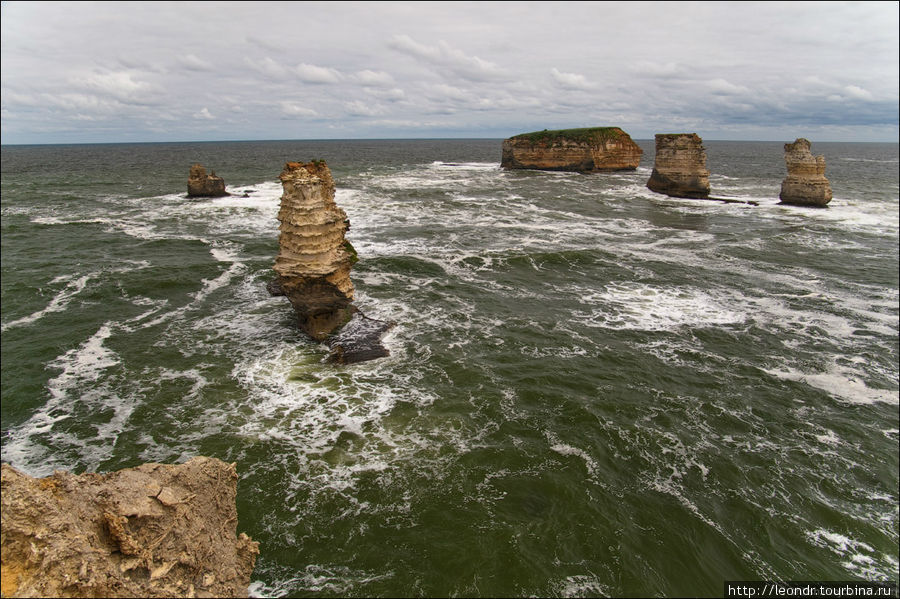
[[101, 72]]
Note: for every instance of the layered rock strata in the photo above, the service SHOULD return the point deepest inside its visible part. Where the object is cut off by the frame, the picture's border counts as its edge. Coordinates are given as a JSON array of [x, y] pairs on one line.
[[313, 265], [805, 184], [201, 184], [580, 150], [152, 531], [680, 166]]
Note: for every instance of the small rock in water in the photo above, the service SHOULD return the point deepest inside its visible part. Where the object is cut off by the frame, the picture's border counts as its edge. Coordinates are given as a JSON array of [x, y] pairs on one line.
[[359, 340]]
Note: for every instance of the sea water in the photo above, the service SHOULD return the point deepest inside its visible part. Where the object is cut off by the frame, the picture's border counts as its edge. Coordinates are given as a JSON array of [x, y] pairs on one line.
[[593, 389]]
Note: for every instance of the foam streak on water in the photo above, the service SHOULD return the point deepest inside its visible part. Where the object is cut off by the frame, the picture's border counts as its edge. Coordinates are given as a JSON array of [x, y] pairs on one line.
[[592, 389]]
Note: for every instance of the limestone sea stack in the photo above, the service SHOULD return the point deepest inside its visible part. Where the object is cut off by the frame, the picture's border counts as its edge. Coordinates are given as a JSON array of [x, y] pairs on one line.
[[314, 260], [680, 166], [152, 531], [805, 184], [313, 266], [202, 185], [585, 150]]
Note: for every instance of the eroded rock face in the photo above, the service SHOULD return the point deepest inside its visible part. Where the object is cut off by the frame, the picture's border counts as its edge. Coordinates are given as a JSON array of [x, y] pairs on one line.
[[152, 531], [314, 259], [805, 184], [680, 167], [579, 150], [202, 185]]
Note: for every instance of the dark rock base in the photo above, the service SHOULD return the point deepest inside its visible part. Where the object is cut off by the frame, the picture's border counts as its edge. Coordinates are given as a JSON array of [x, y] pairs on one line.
[[684, 188], [359, 340]]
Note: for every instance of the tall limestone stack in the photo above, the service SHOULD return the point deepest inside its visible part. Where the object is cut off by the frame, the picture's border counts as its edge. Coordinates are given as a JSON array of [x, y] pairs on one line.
[[201, 185], [314, 259], [680, 168], [805, 184], [585, 150], [152, 531]]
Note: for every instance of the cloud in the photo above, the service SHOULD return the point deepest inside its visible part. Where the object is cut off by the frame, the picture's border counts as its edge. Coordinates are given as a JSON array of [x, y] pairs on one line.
[[723, 86], [360, 108], [662, 71], [267, 67], [857, 93], [374, 78], [394, 94], [310, 73], [445, 56], [192, 63], [204, 114], [292, 109], [118, 85], [571, 80]]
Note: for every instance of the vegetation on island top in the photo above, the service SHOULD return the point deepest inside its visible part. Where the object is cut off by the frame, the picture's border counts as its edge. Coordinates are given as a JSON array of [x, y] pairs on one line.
[[583, 135]]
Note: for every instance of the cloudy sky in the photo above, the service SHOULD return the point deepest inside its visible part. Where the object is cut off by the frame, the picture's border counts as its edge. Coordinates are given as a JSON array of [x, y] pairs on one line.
[[151, 71]]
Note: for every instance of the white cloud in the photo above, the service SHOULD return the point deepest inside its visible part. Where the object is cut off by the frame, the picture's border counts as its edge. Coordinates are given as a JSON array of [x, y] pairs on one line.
[[267, 67], [661, 70], [118, 85], [571, 80], [310, 73], [192, 63], [452, 59], [857, 92], [374, 78], [723, 86], [204, 114], [292, 109], [360, 108]]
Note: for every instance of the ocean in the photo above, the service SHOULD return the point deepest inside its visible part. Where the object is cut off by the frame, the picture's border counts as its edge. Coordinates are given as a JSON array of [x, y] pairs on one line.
[[593, 389]]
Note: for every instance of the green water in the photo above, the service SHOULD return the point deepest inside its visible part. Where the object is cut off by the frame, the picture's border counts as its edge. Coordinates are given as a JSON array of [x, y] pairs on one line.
[[592, 389]]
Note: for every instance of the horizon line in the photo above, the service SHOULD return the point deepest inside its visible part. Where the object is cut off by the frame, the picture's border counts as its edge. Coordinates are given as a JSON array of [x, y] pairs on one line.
[[344, 139]]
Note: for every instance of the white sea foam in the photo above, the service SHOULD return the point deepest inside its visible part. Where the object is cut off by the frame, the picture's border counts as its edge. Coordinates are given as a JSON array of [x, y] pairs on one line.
[[78, 382], [841, 382], [565, 450], [478, 166], [627, 305], [584, 586], [59, 302], [838, 543]]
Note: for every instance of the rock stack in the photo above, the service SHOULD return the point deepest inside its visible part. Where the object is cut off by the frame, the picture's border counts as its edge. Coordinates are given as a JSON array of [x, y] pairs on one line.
[[579, 150], [805, 184], [680, 167], [314, 259], [201, 185], [152, 531], [313, 266]]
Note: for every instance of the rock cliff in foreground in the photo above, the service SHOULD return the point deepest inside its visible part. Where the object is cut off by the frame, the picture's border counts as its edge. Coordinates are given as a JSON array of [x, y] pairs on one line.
[[680, 166], [805, 184], [202, 185], [152, 531], [579, 150], [313, 266]]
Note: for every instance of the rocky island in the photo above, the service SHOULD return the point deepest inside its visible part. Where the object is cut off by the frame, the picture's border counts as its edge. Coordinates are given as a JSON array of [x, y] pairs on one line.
[[202, 185], [313, 265], [680, 169], [151, 531], [805, 184], [585, 150]]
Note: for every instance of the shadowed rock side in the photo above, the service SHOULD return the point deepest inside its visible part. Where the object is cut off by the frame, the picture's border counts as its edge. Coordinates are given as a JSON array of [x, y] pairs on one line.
[[202, 185], [152, 531], [680, 166], [580, 150], [805, 184], [313, 266]]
